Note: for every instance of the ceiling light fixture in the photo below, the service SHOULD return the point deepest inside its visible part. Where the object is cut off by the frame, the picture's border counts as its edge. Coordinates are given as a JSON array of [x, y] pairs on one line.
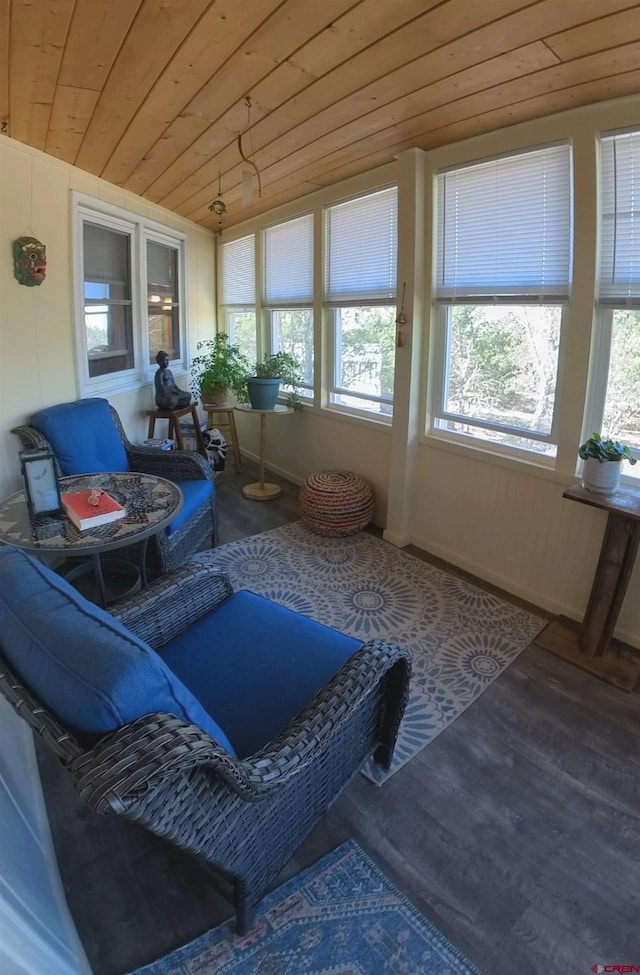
[[219, 207]]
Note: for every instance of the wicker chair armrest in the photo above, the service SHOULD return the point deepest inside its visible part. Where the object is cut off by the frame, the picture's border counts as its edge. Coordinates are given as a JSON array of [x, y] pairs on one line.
[[127, 765], [172, 603], [32, 439], [175, 465], [55, 736]]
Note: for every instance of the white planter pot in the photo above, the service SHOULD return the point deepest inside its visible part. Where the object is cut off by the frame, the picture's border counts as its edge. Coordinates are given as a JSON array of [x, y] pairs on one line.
[[601, 478]]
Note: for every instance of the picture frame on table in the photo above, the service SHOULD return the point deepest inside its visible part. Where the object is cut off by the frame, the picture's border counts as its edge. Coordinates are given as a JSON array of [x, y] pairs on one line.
[[41, 484]]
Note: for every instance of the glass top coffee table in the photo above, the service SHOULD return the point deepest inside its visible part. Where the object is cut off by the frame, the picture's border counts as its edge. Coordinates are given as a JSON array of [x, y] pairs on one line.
[[150, 503]]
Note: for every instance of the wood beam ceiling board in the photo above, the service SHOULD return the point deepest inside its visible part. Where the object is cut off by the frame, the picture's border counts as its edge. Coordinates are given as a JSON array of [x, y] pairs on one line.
[[589, 93], [598, 35], [349, 34], [554, 87], [359, 28], [393, 52], [70, 116], [4, 58], [96, 34], [36, 48], [359, 130], [155, 35], [218, 35], [477, 47], [272, 43]]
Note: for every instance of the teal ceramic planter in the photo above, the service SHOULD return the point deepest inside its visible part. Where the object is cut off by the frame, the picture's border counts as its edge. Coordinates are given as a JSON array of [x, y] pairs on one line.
[[263, 393]]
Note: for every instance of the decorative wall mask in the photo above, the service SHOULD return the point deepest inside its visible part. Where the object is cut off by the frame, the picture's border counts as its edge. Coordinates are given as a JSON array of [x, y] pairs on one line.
[[29, 261]]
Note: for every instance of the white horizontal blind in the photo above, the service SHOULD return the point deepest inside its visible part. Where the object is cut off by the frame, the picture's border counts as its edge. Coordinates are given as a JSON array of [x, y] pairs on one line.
[[239, 271], [288, 263], [361, 241], [505, 228], [620, 219]]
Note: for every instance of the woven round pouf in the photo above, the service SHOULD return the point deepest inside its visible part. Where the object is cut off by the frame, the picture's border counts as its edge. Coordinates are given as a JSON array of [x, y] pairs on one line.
[[336, 503]]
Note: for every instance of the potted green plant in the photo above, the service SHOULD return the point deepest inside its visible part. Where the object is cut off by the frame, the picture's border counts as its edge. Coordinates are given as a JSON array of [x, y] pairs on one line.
[[603, 463], [219, 368], [272, 371]]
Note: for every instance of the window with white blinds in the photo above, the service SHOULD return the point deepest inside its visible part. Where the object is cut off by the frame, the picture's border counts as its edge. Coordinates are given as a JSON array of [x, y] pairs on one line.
[[620, 220], [239, 271], [288, 263], [361, 244], [504, 228]]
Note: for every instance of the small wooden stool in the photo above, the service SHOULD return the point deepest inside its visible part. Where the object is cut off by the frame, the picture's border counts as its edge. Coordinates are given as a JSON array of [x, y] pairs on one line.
[[174, 431], [215, 409]]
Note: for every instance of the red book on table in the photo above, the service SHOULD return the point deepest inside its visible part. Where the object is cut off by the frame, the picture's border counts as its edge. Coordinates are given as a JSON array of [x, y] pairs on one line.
[[85, 515]]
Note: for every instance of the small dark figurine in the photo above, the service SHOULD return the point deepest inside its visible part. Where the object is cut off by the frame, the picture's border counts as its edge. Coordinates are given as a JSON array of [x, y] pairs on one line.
[[168, 395]]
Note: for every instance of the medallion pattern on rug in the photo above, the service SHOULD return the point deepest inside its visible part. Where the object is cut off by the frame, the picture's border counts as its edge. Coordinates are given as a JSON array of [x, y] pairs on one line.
[[341, 916], [461, 637]]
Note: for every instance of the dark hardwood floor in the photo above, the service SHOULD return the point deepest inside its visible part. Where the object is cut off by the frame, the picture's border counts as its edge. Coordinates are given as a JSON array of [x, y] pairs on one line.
[[517, 831]]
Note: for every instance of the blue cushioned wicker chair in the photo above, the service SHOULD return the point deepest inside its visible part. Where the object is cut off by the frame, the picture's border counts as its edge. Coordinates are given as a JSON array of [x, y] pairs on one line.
[[217, 719], [87, 437]]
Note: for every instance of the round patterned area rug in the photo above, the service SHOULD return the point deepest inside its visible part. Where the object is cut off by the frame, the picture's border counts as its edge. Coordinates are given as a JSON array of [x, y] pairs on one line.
[[461, 636]]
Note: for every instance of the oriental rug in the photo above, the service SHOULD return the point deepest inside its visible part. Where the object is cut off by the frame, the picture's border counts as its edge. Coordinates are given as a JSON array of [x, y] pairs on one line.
[[461, 637], [341, 916]]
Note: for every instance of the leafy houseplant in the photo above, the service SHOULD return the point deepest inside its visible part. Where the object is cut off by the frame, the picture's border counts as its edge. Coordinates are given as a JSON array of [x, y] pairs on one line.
[[269, 373], [603, 463], [218, 368]]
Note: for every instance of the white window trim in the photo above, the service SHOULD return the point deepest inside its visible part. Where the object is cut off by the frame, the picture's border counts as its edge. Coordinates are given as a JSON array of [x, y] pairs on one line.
[[140, 229]]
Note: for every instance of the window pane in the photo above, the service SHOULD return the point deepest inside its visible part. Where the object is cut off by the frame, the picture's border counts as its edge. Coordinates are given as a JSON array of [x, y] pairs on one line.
[[501, 369], [162, 296], [107, 294], [621, 419], [365, 358], [241, 329], [292, 331]]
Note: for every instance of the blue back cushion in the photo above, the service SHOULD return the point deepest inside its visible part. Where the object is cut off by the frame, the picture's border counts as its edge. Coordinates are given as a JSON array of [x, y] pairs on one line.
[[83, 436], [256, 665], [80, 662]]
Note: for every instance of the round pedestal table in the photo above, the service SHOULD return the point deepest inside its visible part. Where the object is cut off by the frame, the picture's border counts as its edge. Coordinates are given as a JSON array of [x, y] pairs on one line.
[[263, 491]]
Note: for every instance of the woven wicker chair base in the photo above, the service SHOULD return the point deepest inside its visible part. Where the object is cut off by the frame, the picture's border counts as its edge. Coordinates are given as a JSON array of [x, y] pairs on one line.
[[336, 503]]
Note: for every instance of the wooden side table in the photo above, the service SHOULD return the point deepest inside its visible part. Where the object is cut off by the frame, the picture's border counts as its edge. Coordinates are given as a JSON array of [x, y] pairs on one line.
[[173, 429], [262, 491], [225, 409], [588, 646]]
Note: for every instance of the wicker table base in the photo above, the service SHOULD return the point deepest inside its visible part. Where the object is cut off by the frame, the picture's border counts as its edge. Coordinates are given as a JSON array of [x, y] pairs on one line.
[[336, 503]]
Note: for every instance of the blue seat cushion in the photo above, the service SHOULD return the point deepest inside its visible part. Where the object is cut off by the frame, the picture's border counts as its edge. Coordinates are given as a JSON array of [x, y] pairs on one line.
[[194, 495], [80, 662], [83, 436], [256, 665]]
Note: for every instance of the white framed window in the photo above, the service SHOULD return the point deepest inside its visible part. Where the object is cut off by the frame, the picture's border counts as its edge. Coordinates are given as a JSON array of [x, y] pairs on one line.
[[503, 272], [361, 241], [238, 294], [614, 407], [288, 293], [129, 278]]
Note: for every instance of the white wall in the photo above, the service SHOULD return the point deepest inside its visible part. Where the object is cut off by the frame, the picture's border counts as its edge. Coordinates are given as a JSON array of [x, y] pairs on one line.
[[37, 935], [36, 324]]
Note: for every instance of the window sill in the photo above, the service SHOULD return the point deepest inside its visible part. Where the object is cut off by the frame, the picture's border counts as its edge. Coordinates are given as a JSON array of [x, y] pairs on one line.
[[540, 467]]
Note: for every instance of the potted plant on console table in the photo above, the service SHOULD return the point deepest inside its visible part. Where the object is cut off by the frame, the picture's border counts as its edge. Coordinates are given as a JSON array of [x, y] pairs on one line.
[[603, 463], [264, 386]]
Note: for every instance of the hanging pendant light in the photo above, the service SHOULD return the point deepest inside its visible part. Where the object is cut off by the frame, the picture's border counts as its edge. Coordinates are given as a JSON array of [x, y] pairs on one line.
[[219, 207]]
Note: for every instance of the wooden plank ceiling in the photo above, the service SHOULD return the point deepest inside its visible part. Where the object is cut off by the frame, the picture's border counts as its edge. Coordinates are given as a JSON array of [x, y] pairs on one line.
[[151, 94]]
